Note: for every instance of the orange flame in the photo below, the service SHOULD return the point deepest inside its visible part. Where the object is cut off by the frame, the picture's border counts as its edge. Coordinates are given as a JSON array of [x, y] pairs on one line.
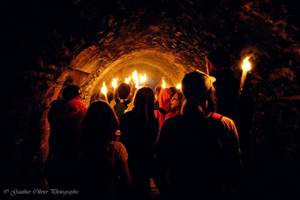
[[114, 83], [246, 65], [104, 89], [163, 84]]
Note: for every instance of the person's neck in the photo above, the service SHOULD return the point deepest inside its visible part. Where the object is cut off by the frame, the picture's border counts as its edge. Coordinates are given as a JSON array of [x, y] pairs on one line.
[[192, 108]]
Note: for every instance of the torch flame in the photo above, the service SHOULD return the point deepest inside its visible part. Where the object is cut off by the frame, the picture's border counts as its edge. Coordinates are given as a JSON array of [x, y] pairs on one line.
[[127, 80], [163, 84], [114, 83], [246, 65], [135, 78], [143, 78], [104, 89], [178, 86]]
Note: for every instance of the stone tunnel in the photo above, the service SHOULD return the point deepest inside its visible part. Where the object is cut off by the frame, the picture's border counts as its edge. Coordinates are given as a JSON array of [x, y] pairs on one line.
[[90, 42]]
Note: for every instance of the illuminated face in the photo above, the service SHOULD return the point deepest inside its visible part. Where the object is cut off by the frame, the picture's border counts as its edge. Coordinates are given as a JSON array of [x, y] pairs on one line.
[[175, 102]]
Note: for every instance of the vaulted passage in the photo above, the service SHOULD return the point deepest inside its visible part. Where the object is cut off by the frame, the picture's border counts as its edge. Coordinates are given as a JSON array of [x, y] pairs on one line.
[[88, 72], [48, 45]]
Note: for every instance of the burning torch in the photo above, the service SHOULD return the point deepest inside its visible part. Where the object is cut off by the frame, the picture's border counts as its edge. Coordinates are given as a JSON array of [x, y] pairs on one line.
[[246, 67]]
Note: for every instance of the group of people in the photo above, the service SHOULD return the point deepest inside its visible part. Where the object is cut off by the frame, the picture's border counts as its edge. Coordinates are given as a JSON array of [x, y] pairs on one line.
[[161, 145]]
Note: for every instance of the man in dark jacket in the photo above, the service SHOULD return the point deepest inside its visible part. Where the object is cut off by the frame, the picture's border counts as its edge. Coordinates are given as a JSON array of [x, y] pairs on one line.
[[198, 151], [65, 118]]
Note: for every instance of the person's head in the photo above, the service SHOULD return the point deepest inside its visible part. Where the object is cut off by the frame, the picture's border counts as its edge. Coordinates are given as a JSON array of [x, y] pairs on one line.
[[71, 92], [100, 122], [164, 99], [173, 90], [123, 90], [110, 96], [144, 100], [157, 90], [197, 87], [176, 101]]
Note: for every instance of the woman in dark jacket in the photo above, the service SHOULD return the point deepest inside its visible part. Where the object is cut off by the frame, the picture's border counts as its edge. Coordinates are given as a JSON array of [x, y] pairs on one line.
[[139, 129], [103, 168]]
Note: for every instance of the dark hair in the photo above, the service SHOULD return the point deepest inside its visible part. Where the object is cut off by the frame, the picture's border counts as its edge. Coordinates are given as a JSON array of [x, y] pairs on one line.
[[173, 90], [180, 96], [110, 96], [157, 89], [100, 122], [70, 92], [196, 85], [123, 90], [144, 102]]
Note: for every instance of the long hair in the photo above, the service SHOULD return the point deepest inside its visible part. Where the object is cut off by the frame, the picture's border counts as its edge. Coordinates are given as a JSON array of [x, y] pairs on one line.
[[100, 123], [164, 99], [144, 103]]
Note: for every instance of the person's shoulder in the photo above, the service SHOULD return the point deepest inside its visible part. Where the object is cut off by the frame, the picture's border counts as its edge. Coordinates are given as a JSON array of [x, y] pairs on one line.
[[228, 122], [57, 104], [127, 115], [117, 144], [119, 148], [174, 120], [57, 107], [77, 104], [221, 118]]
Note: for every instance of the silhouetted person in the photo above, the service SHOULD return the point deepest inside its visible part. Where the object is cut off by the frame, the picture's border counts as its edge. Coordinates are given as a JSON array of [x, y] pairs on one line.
[[198, 151], [139, 130], [110, 96], [104, 171], [122, 100], [65, 118]]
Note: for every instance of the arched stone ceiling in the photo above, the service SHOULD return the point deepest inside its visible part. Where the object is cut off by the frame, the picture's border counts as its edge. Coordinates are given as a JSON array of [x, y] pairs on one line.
[[156, 64]]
